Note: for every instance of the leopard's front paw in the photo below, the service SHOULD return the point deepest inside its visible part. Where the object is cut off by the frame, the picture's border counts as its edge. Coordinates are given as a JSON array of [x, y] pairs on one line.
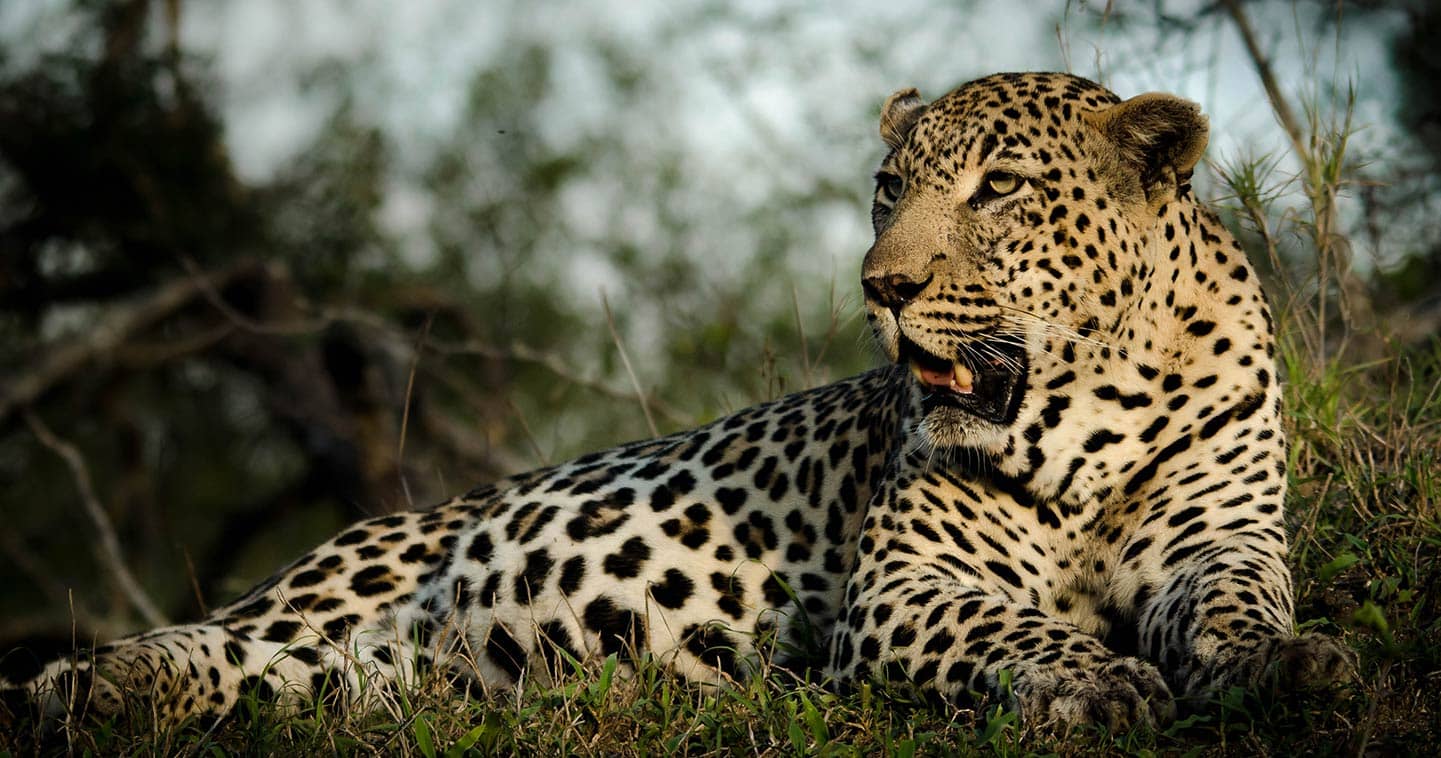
[[1284, 664], [1308, 662], [1119, 694]]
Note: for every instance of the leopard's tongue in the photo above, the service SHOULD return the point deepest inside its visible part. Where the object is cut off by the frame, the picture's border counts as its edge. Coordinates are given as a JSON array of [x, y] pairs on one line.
[[957, 378]]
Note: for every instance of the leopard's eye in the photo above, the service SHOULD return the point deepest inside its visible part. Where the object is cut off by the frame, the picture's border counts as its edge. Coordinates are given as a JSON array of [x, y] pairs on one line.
[[891, 184], [1001, 183], [996, 185]]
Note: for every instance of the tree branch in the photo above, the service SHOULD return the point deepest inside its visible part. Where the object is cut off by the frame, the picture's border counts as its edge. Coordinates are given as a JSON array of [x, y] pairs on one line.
[[1279, 104], [108, 551], [57, 594], [109, 333], [516, 351]]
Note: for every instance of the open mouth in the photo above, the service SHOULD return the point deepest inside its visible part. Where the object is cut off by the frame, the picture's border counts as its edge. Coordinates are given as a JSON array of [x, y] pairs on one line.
[[990, 387]]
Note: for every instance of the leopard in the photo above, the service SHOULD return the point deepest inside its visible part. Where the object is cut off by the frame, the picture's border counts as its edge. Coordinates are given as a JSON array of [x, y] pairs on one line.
[[1085, 515], [1063, 490]]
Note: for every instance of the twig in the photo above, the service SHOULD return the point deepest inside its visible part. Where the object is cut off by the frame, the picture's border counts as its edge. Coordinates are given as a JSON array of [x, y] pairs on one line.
[[405, 409], [529, 435], [142, 355], [516, 351], [801, 335], [276, 328], [1063, 45], [464, 443], [195, 583], [523, 353], [109, 551], [462, 438], [640, 395], [109, 340]]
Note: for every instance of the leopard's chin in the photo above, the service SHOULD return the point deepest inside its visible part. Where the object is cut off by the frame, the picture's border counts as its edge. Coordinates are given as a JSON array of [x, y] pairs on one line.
[[966, 388]]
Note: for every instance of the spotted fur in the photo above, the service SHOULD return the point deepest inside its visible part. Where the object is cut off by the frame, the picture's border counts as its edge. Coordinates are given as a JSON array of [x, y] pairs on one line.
[[1073, 475]]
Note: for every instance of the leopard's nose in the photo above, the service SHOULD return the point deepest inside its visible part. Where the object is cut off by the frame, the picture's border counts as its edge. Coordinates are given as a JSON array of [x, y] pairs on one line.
[[893, 291]]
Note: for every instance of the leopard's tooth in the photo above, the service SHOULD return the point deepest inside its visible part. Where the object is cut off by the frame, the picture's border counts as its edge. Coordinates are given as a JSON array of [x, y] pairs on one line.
[[961, 377], [916, 372]]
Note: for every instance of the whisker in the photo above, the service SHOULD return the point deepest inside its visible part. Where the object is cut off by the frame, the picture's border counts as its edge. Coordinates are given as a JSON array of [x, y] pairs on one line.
[[1018, 316], [999, 358], [987, 353]]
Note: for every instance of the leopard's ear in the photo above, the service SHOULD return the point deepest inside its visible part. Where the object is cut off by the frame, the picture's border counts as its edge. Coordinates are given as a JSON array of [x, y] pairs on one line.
[[899, 116], [1163, 136]]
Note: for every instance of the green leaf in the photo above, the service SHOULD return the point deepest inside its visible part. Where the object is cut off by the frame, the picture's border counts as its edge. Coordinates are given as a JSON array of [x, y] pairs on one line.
[[466, 742], [798, 737], [998, 720], [1340, 563], [1370, 616], [424, 741], [814, 720], [602, 686]]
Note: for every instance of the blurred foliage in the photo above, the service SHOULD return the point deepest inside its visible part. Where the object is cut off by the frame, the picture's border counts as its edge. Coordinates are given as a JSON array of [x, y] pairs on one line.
[[1415, 183], [245, 366]]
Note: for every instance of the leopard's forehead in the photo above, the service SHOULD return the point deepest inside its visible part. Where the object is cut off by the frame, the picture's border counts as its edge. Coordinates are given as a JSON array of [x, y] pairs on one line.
[[1004, 111]]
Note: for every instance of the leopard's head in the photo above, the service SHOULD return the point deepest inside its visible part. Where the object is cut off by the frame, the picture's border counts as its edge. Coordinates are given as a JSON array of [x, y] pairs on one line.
[[1011, 220]]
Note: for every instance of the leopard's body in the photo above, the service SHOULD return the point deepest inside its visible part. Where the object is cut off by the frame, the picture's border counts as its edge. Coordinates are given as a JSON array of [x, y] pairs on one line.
[[1078, 481], [706, 549]]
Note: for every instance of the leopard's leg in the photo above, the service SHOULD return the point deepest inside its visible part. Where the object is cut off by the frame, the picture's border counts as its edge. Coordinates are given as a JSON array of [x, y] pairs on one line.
[[175, 672], [353, 618], [1206, 572], [940, 599], [206, 669], [293, 662]]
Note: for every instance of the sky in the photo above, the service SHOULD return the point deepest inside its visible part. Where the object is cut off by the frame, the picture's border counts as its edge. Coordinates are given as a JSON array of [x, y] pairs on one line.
[[757, 97], [416, 58]]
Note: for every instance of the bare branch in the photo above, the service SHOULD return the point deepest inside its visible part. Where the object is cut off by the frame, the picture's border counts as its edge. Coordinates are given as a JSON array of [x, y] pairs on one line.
[[109, 549], [107, 334], [211, 292], [43, 577], [110, 339], [466, 444], [139, 355], [1322, 157], [1279, 104]]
